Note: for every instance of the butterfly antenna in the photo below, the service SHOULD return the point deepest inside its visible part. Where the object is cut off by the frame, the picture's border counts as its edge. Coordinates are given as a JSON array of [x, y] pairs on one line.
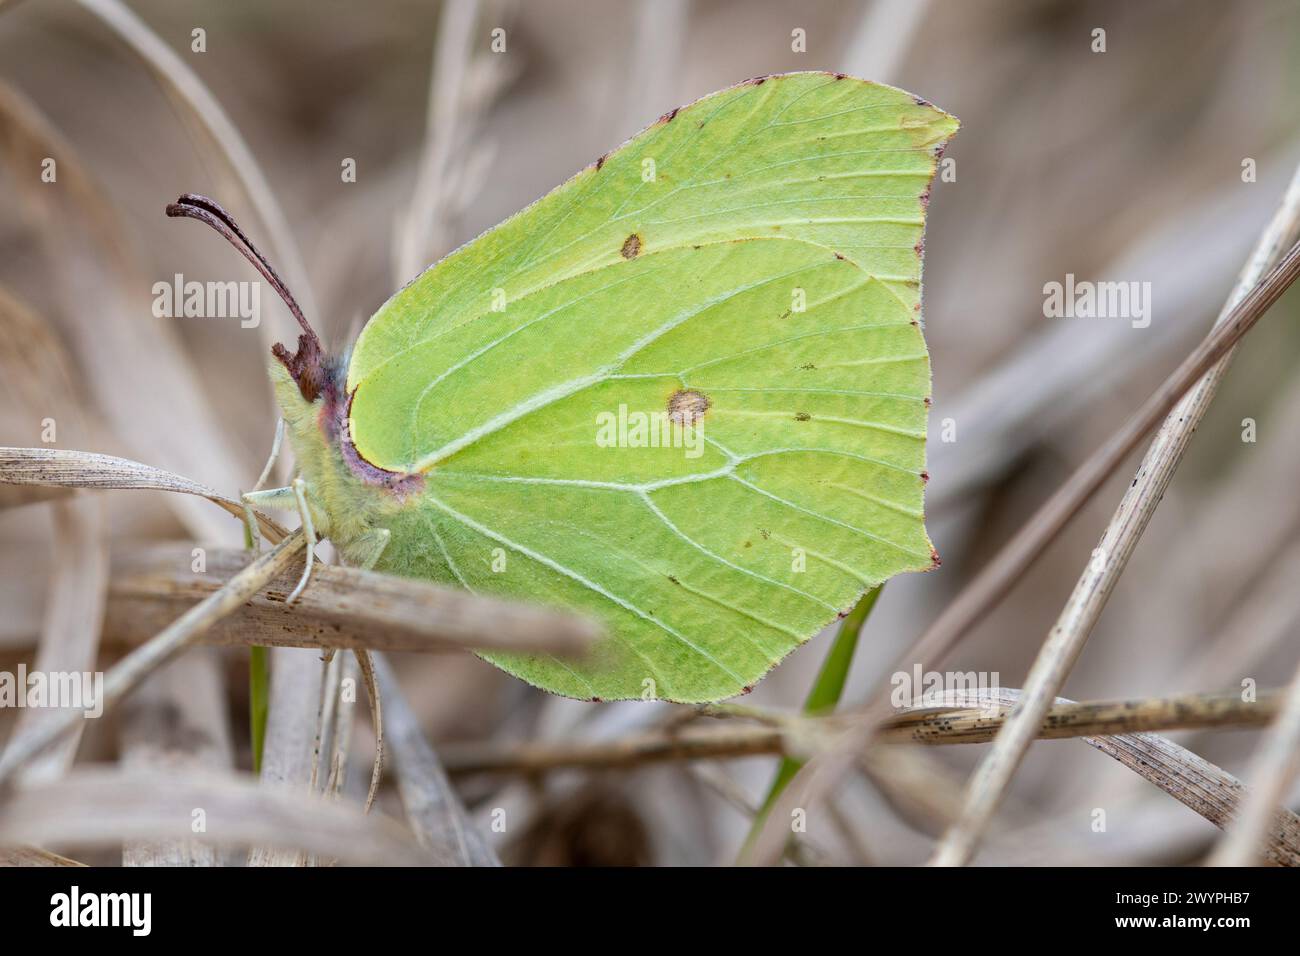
[[306, 366]]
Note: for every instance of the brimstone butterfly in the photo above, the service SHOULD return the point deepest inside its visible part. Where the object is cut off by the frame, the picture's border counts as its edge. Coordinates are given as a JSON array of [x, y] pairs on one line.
[[685, 392]]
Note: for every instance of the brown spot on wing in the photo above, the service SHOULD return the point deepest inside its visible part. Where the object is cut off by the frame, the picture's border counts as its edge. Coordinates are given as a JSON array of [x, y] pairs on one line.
[[687, 407]]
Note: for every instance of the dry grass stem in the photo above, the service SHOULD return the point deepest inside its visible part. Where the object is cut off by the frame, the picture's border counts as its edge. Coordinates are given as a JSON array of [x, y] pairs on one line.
[[795, 734], [62, 468], [367, 665], [341, 608]]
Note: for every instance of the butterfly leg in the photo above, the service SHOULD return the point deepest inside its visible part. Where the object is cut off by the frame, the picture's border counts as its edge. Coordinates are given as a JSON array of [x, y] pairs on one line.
[[286, 499], [253, 536], [299, 488], [282, 499], [272, 458], [294, 498]]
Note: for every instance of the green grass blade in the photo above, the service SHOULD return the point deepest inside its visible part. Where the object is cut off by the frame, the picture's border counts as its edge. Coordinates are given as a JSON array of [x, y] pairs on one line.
[[824, 695], [259, 699], [259, 684], [829, 685]]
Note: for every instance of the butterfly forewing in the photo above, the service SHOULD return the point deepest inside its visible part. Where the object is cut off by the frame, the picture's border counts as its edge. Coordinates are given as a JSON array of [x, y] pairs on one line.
[[685, 392]]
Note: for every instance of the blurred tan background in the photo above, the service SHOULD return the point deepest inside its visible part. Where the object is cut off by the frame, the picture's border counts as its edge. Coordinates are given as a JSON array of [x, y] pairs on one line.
[[1124, 165]]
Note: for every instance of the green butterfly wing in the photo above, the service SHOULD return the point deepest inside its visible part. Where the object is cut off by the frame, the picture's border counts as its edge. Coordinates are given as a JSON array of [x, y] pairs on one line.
[[747, 271]]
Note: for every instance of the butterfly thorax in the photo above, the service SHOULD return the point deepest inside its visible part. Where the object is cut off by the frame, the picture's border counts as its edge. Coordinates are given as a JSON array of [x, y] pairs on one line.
[[353, 496]]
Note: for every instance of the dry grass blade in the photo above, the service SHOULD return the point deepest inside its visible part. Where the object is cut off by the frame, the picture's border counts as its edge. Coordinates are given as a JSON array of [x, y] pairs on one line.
[[144, 660], [1010, 563], [331, 677], [342, 732], [367, 665], [1271, 773], [1198, 784], [432, 807], [62, 468], [342, 608], [94, 808], [1066, 639]]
